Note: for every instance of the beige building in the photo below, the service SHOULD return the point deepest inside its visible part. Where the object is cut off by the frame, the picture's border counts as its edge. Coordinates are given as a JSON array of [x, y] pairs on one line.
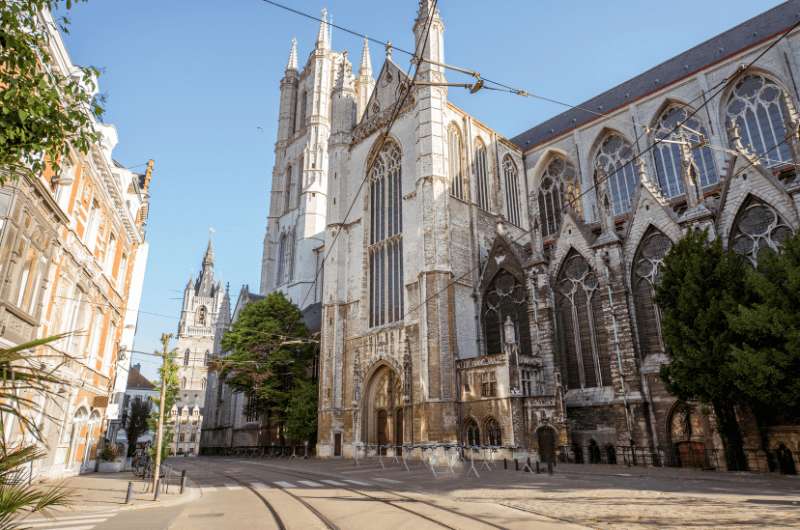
[[72, 259], [499, 292]]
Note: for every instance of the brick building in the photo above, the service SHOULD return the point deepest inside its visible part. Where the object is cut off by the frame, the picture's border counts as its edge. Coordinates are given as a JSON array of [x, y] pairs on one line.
[[72, 259]]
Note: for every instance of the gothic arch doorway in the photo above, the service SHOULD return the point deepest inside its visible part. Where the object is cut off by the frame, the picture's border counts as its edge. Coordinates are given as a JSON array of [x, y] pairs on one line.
[[687, 435], [546, 438], [381, 408]]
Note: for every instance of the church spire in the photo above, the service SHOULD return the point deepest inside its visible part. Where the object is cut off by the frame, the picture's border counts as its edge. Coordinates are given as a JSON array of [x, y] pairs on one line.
[[323, 37], [292, 63], [208, 258], [366, 62]]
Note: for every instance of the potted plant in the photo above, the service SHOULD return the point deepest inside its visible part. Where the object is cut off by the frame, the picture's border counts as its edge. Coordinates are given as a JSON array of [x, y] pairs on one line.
[[110, 461]]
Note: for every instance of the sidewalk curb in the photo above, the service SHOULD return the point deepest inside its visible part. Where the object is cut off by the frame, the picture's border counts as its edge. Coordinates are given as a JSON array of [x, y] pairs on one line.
[[190, 494]]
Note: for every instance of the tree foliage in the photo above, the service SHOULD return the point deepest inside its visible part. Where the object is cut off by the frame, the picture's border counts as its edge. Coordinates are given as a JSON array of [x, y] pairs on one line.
[[766, 358], [301, 414], [24, 381], [42, 111], [270, 357], [137, 423], [700, 284], [169, 373]]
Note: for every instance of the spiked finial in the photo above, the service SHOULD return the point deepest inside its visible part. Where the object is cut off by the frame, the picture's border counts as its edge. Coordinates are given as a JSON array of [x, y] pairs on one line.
[[323, 37], [208, 258], [292, 63], [366, 61]]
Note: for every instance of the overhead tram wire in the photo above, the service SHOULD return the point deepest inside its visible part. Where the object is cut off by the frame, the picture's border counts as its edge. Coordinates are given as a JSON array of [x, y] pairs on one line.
[[719, 87], [382, 140], [736, 75]]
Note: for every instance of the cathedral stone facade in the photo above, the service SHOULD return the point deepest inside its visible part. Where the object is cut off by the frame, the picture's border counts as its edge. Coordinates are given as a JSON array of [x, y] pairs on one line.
[[494, 291]]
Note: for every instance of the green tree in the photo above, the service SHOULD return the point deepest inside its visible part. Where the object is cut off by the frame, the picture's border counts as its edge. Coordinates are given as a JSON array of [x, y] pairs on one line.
[[699, 285], [169, 373], [137, 423], [269, 355], [42, 111], [301, 413], [23, 382], [766, 359]]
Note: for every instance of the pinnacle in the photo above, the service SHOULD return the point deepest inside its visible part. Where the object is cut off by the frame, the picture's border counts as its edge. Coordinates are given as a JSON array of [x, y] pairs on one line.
[[366, 61], [292, 63], [323, 37]]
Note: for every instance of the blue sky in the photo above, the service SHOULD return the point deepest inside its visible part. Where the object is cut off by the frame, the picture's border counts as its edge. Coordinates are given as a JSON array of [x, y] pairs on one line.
[[189, 84]]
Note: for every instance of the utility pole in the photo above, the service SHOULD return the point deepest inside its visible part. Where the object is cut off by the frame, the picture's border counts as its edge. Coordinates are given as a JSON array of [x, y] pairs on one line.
[[165, 338]]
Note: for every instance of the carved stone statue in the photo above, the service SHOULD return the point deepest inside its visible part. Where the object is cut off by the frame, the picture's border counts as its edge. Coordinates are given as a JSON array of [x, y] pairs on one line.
[[509, 332]]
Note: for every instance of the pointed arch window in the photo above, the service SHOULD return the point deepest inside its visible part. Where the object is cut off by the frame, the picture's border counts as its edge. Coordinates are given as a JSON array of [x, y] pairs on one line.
[[303, 104], [758, 226], [186, 356], [758, 106], [385, 236], [669, 156], [506, 297], [646, 266], [472, 433], [584, 356], [481, 174], [282, 247], [559, 188], [494, 435], [511, 176], [287, 189], [202, 316], [613, 163], [455, 155]]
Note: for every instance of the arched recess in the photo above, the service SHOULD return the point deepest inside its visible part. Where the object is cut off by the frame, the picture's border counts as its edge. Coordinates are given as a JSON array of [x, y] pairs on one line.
[[762, 109], [757, 226], [687, 430], [459, 183], [481, 170], [382, 399], [584, 357], [472, 433], [647, 262], [505, 298], [674, 123], [559, 188], [612, 162], [494, 433]]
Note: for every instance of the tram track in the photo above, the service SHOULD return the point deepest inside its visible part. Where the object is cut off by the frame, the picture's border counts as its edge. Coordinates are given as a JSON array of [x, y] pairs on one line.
[[390, 502]]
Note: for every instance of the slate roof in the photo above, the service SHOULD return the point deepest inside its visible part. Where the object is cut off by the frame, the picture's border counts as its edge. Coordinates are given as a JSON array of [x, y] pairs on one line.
[[137, 381], [747, 34]]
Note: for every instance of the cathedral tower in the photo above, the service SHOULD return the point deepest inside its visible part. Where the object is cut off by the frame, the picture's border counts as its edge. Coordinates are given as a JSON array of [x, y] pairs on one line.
[[293, 243], [205, 306]]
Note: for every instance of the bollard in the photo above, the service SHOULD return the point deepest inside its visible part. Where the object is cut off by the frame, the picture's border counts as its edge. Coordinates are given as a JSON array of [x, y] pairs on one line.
[[505, 463], [537, 468], [529, 467], [155, 493], [549, 468], [183, 480], [129, 494], [516, 465]]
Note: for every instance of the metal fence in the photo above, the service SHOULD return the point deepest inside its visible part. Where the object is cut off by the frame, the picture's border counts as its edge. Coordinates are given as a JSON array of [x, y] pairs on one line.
[[781, 460]]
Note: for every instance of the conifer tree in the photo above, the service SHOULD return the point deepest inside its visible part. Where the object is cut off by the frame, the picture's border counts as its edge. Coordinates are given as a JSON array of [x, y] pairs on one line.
[[700, 284]]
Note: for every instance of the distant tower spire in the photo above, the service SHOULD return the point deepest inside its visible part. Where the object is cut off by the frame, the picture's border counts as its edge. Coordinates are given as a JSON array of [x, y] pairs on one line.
[[323, 37], [208, 258], [366, 61], [292, 63]]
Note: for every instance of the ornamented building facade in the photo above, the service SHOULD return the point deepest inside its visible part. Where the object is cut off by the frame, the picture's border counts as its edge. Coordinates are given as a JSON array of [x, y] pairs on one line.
[[205, 311], [72, 259], [490, 291]]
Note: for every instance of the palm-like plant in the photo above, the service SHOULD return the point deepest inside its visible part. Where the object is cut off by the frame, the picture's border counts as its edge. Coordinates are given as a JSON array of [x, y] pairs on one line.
[[24, 380]]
